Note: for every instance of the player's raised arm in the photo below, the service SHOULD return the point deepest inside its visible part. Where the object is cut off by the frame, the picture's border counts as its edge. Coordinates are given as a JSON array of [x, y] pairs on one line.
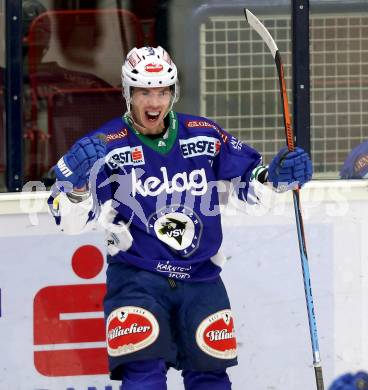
[[287, 170], [72, 206]]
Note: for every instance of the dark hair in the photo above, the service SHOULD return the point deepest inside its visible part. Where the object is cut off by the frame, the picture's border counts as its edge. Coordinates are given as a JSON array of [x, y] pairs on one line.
[[30, 10]]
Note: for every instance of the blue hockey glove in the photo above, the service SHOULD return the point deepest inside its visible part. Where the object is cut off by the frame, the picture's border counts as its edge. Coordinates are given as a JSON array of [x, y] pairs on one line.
[[290, 167], [76, 164], [359, 381]]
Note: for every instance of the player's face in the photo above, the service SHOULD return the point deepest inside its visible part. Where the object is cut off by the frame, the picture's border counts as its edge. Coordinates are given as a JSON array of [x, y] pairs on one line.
[[149, 106]]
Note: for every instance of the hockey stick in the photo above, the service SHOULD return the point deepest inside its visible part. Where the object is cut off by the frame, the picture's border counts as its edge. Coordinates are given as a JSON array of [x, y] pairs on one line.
[[289, 134]]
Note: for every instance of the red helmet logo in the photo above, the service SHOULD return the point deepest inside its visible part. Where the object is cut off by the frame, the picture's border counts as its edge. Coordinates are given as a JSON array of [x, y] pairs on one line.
[[153, 68]]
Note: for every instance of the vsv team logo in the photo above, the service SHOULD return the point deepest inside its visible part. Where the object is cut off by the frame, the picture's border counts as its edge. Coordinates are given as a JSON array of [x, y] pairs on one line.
[[177, 226]]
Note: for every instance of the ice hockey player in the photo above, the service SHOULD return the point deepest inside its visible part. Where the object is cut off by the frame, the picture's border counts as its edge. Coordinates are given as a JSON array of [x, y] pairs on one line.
[[356, 163], [358, 381], [150, 178]]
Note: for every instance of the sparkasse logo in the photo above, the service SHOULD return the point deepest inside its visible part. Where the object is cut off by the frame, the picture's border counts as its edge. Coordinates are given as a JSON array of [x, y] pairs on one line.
[[124, 156]]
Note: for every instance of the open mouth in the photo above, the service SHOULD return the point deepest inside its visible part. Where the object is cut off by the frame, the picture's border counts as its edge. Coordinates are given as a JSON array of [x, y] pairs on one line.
[[152, 116]]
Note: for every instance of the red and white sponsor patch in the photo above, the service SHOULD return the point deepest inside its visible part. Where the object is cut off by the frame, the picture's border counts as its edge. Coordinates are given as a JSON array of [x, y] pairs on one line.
[[153, 68], [137, 155], [130, 329], [218, 146], [134, 59], [216, 336]]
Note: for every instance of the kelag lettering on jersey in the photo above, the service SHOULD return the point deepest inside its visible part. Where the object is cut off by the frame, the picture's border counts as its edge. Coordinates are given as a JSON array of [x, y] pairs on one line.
[[167, 197], [195, 181]]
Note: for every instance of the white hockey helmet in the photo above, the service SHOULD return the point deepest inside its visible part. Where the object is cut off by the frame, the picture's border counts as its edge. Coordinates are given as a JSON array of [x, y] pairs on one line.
[[149, 67]]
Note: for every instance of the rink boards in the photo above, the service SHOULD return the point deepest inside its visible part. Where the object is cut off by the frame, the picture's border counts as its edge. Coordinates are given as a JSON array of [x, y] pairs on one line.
[[52, 285]]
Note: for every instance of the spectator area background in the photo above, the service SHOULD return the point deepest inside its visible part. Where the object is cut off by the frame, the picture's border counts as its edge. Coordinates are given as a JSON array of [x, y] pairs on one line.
[[237, 80], [231, 78]]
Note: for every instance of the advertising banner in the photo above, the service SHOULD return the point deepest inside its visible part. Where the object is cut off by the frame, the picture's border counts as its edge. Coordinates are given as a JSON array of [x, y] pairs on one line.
[[52, 332]]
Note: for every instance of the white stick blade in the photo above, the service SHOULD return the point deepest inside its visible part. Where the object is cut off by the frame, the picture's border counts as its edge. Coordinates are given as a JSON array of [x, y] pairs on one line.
[[262, 31]]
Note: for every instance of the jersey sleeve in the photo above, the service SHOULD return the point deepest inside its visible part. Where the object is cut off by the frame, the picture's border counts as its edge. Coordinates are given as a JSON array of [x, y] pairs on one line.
[[73, 216], [235, 162]]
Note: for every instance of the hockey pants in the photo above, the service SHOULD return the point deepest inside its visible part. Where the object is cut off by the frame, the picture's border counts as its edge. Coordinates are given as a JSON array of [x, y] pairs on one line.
[[151, 374]]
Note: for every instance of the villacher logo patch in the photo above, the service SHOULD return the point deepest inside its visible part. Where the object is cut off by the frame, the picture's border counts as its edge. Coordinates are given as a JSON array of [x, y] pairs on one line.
[[216, 337], [130, 329]]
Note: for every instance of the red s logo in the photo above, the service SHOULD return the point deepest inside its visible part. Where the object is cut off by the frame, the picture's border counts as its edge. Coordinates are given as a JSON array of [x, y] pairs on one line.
[[72, 314]]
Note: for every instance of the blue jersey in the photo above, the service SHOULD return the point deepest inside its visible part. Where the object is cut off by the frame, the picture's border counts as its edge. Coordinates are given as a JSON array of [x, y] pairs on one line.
[[164, 193]]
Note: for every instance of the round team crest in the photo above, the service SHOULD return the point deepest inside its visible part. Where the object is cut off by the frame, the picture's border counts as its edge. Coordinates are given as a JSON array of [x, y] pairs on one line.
[[129, 329], [178, 227], [216, 336]]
